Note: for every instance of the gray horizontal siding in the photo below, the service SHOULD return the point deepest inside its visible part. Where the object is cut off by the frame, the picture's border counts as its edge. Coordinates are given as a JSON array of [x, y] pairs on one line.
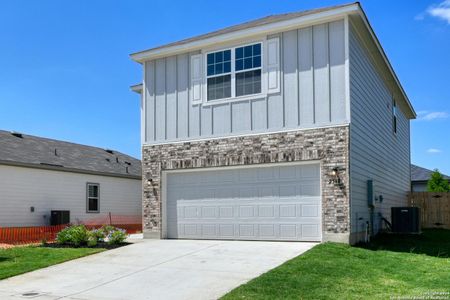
[[312, 92], [375, 151]]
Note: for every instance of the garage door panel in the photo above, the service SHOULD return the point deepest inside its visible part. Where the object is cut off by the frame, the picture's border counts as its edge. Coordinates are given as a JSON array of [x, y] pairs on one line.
[[309, 210], [266, 203], [226, 212]]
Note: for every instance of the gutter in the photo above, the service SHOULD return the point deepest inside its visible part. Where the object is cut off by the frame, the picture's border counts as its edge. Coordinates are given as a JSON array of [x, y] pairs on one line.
[[70, 170]]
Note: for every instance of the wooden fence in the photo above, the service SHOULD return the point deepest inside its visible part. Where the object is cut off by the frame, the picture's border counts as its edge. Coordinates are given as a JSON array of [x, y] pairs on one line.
[[36, 234], [434, 208]]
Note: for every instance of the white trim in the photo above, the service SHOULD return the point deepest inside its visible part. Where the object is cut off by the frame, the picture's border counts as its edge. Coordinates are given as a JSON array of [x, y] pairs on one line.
[[274, 67], [347, 68], [137, 88], [164, 174], [233, 72], [196, 80], [90, 211], [144, 105], [307, 20], [235, 99], [246, 134]]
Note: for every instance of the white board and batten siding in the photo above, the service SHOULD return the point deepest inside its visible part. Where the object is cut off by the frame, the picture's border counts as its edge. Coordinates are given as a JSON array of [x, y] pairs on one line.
[[267, 202], [304, 87], [376, 152], [22, 188]]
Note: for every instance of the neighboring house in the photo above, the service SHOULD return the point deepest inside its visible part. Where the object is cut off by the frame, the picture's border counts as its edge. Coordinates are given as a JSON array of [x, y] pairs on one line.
[[274, 130], [39, 175], [420, 177]]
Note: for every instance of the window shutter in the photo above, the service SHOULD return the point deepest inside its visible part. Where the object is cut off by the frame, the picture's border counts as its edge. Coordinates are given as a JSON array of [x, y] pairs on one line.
[[196, 78], [273, 65]]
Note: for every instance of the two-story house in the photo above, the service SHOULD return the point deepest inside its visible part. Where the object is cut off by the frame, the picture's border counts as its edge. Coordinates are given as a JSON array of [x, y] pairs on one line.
[[289, 127]]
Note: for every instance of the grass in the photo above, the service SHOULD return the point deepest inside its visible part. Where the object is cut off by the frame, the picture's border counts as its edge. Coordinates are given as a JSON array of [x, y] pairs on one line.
[[18, 260], [389, 267]]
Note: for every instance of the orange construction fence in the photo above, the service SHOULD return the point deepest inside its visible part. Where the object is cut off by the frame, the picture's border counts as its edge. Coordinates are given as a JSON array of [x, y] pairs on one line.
[[37, 234]]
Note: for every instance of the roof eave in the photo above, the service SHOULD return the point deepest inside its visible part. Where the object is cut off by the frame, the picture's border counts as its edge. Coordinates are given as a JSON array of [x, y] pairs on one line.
[[137, 88], [266, 29], [65, 169]]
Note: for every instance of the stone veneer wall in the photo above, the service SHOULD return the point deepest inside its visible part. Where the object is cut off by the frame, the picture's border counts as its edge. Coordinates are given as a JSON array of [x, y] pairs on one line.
[[329, 145]]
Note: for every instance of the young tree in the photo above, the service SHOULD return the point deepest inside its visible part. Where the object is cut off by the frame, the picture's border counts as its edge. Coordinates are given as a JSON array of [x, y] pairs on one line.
[[438, 183]]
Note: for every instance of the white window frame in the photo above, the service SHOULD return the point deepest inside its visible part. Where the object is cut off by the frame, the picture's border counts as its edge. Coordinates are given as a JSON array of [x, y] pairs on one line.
[[88, 184], [233, 97]]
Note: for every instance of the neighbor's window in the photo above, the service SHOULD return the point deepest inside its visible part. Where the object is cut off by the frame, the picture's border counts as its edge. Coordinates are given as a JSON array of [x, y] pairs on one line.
[[394, 116], [93, 197], [245, 76]]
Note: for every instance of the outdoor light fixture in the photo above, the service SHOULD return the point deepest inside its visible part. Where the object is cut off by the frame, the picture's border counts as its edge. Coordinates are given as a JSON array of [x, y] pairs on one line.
[[335, 172], [335, 176]]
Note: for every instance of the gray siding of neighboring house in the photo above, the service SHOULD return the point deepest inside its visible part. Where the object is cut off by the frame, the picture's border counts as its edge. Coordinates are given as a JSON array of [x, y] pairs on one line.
[[312, 92], [375, 151], [22, 188], [418, 186]]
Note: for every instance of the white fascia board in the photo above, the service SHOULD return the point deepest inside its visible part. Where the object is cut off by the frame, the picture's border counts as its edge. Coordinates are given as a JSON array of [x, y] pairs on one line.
[[267, 29], [137, 88]]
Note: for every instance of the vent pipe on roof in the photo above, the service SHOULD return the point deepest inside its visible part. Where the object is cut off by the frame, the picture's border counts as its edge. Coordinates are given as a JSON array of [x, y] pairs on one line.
[[109, 151], [17, 134], [117, 159], [56, 152]]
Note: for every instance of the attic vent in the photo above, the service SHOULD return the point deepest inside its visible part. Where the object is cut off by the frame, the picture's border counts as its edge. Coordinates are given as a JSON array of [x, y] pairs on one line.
[[109, 151], [128, 163], [17, 134], [107, 159]]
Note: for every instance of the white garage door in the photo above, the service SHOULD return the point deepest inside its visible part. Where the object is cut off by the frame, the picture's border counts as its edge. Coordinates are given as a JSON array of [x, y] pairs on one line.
[[249, 203]]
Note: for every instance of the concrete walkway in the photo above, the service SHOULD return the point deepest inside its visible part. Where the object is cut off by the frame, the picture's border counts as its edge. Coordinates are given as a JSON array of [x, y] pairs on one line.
[[155, 269]]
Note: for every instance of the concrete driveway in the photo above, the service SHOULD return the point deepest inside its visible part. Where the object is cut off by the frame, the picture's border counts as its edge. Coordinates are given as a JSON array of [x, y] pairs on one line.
[[155, 269]]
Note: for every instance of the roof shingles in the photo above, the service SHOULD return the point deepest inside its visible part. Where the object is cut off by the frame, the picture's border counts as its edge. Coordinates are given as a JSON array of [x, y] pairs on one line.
[[43, 152], [422, 174]]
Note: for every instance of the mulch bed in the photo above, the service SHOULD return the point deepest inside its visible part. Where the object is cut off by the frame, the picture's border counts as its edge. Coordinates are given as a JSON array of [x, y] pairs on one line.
[[99, 245]]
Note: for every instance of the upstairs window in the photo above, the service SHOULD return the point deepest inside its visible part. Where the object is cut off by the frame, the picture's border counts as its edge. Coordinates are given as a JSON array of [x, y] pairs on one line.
[[248, 70], [394, 116], [234, 72], [93, 197], [219, 75]]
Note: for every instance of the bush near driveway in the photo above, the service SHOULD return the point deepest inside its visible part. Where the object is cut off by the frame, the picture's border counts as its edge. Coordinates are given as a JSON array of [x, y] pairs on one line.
[[382, 270], [79, 235]]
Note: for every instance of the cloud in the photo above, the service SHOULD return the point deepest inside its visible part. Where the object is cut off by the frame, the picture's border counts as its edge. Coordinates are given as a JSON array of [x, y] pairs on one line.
[[433, 115], [440, 11], [433, 151]]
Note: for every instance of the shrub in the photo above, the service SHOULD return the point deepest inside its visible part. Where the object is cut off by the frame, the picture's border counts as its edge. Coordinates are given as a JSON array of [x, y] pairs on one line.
[[79, 235], [107, 229], [98, 234], [117, 236], [75, 235], [438, 183]]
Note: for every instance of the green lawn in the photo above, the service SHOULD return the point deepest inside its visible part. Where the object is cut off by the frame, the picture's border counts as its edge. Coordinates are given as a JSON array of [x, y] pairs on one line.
[[20, 260], [391, 266]]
